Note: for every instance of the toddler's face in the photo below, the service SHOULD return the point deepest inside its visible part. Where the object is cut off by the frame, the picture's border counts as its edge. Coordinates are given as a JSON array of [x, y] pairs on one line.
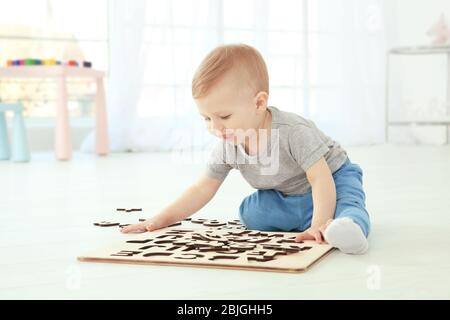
[[230, 106]]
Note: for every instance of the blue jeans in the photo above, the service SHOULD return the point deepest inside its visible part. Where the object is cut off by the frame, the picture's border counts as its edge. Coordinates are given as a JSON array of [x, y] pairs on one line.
[[271, 210]]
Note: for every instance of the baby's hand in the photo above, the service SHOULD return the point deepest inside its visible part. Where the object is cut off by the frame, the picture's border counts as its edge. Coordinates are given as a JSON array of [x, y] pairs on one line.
[[147, 225], [314, 233]]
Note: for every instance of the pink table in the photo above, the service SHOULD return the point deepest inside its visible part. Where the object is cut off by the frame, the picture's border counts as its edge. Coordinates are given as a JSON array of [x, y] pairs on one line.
[[63, 146]]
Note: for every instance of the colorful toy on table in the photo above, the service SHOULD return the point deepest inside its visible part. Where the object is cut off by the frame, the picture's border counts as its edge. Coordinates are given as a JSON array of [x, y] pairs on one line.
[[47, 62], [72, 63], [32, 62]]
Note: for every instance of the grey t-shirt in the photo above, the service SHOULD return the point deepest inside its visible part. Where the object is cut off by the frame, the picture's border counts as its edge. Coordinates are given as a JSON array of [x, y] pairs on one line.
[[293, 146]]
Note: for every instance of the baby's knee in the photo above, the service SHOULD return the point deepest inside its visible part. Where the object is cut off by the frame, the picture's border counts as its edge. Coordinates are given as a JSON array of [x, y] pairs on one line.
[[253, 211], [250, 214]]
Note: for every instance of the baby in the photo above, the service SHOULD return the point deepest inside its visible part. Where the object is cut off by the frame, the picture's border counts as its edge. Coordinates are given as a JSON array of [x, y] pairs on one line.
[[305, 181]]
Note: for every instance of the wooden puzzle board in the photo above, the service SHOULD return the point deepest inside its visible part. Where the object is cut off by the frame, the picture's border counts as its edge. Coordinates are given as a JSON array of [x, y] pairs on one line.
[[229, 247]]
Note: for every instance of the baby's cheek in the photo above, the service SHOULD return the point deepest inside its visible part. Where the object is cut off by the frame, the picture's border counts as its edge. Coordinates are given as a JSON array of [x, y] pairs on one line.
[[214, 132]]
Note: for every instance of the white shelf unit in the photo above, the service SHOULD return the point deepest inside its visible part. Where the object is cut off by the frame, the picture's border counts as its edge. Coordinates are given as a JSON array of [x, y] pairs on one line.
[[418, 50]]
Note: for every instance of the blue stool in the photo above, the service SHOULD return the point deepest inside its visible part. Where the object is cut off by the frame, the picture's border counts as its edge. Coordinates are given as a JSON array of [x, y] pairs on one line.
[[20, 151]]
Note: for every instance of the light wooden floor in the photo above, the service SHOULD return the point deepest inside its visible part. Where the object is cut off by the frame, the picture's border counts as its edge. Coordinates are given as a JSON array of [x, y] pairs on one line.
[[47, 209]]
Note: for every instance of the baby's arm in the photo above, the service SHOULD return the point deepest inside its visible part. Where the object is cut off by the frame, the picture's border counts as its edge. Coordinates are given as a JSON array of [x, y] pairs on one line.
[[323, 192], [189, 202], [324, 200]]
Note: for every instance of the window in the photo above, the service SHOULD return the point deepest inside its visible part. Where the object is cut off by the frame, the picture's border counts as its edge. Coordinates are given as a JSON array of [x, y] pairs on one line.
[[64, 30], [296, 41], [180, 33]]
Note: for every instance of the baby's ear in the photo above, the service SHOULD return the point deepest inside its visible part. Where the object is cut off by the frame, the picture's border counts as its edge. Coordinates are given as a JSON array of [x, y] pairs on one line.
[[261, 99]]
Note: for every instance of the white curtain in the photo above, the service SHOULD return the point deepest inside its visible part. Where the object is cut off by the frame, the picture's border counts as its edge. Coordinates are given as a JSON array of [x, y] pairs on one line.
[[151, 64], [352, 110], [335, 47], [127, 62]]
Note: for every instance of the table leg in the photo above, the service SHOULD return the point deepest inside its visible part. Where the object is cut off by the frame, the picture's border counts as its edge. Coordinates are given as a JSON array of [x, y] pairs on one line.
[[101, 124], [448, 85], [386, 92], [63, 147], [5, 153], [447, 99]]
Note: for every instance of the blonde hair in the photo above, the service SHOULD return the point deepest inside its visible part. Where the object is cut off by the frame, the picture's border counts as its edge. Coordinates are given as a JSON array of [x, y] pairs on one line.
[[242, 58]]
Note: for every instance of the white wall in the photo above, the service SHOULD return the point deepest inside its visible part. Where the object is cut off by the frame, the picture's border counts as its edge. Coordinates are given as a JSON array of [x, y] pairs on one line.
[[418, 83], [408, 20]]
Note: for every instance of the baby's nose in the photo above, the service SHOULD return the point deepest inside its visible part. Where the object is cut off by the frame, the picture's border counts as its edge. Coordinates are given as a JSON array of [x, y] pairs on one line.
[[217, 126]]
